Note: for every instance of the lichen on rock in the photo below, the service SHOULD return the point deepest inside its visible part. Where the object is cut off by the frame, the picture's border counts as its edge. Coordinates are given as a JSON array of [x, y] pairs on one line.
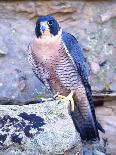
[[45, 128]]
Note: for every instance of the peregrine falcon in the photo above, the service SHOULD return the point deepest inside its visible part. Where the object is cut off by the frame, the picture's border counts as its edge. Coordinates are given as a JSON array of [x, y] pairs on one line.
[[58, 61]]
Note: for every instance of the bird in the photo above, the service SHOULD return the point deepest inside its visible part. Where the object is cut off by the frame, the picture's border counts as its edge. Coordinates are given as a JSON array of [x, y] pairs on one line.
[[58, 62]]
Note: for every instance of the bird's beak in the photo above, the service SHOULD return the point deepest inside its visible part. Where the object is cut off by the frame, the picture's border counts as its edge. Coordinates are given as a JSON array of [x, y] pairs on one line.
[[44, 27]]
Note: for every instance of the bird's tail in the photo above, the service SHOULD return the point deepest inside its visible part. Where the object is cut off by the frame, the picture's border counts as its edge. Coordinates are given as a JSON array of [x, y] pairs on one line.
[[85, 123]]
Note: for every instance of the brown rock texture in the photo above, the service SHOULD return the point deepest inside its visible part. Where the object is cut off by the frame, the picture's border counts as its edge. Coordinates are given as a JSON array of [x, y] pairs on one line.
[[93, 23], [107, 116]]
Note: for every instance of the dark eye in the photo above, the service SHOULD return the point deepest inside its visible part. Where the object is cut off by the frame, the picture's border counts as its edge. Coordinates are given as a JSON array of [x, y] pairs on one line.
[[38, 24], [50, 22]]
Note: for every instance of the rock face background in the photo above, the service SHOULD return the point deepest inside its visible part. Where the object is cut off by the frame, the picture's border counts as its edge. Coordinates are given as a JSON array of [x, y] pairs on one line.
[[107, 117], [92, 22]]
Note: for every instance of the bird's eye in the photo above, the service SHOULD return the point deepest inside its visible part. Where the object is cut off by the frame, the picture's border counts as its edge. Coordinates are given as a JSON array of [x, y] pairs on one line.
[[50, 22], [38, 24]]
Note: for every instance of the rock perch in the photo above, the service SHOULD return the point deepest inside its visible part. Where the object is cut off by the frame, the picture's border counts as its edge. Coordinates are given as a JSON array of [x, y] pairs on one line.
[[37, 129]]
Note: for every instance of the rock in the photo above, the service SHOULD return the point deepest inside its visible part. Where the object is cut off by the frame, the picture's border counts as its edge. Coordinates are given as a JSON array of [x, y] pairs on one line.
[[17, 81], [54, 8], [107, 15], [37, 129], [107, 117], [2, 53], [95, 67], [101, 97], [17, 22], [41, 129], [99, 153]]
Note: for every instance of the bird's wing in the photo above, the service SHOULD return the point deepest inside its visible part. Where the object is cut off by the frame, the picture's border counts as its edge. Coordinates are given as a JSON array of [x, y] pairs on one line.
[[82, 67], [76, 52], [37, 68]]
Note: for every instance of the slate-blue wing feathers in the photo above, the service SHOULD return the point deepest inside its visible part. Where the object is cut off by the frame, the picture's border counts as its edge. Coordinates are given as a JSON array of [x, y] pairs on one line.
[[82, 67]]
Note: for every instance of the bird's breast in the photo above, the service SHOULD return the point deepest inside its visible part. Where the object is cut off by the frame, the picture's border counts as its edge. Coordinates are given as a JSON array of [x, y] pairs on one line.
[[55, 59], [47, 52]]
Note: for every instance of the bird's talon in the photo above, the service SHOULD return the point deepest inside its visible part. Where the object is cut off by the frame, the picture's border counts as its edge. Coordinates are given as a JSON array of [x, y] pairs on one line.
[[72, 104], [69, 98], [61, 97]]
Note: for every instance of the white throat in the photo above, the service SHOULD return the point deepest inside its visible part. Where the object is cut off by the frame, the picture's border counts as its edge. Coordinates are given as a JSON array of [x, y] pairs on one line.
[[48, 37]]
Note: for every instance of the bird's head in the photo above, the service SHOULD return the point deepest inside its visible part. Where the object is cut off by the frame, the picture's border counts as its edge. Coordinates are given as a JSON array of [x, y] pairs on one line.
[[46, 24]]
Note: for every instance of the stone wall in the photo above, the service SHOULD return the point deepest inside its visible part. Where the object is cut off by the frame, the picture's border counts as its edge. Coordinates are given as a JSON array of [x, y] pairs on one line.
[[92, 22]]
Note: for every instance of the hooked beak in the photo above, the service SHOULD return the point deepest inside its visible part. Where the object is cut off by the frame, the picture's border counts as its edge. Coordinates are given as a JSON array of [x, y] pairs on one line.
[[44, 27]]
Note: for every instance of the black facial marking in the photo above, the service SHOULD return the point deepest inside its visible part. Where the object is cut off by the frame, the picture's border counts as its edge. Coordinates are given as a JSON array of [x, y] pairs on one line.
[[52, 23], [37, 29]]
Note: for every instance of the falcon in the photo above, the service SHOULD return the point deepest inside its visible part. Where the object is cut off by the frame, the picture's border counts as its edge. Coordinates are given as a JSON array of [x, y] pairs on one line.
[[58, 61]]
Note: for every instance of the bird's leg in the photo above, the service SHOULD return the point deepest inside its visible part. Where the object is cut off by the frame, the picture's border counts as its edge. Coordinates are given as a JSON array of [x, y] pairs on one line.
[[69, 98]]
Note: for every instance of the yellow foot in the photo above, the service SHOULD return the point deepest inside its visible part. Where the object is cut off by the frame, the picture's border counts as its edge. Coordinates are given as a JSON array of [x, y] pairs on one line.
[[68, 98]]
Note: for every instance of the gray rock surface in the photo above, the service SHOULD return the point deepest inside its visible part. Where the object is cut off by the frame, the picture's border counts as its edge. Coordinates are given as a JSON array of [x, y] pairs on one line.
[[38, 129], [92, 22], [107, 117], [42, 129], [17, 80], [94, 28]]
